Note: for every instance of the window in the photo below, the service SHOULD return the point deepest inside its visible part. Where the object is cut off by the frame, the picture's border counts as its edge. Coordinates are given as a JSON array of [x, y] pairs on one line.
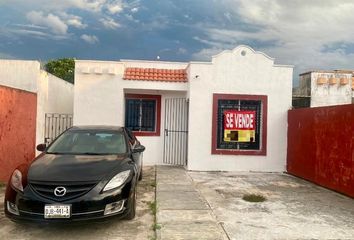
[[142, 114], [239, 124]]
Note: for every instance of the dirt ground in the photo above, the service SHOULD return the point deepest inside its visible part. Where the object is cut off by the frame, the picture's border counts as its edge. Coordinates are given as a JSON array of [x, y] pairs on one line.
[[139, 228]]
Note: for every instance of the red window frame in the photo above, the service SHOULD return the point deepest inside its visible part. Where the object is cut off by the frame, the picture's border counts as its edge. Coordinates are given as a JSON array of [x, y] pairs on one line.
[[263, 150], [158, 112]]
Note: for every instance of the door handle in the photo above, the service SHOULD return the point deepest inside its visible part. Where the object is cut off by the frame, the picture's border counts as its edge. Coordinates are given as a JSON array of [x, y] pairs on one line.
[[166, 132]]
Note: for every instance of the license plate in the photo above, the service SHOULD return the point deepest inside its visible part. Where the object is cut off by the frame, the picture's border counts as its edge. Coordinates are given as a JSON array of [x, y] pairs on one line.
[[57, 211]]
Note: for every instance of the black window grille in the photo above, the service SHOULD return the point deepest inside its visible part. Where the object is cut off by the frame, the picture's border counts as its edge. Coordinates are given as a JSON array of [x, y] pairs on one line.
[[140, 115], [241, 105]]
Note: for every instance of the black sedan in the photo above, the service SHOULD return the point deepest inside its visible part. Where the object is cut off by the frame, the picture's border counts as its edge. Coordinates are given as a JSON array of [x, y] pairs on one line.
[[87, 173]]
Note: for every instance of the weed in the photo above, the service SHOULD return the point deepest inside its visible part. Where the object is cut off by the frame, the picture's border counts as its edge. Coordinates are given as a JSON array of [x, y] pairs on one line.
[[156, 226], [153, 207], [254, 198]]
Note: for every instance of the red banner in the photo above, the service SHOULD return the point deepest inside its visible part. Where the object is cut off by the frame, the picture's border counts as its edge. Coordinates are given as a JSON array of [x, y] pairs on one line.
[[239, 120]]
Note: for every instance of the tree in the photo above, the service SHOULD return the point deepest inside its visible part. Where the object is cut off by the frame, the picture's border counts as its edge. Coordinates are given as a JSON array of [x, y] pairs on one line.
[[62, 68]]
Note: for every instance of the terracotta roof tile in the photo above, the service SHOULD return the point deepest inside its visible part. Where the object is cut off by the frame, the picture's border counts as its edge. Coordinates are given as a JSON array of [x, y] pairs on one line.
[[155, 74]]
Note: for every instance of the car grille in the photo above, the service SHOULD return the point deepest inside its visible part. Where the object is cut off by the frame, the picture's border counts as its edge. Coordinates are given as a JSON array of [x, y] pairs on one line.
[[73, 190]]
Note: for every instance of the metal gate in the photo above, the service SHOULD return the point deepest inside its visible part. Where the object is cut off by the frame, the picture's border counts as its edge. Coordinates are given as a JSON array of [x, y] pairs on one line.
[[55, 124], [176, 131]]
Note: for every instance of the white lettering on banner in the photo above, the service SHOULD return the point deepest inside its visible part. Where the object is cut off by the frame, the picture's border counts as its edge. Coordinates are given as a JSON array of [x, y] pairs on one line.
[[239, 120]]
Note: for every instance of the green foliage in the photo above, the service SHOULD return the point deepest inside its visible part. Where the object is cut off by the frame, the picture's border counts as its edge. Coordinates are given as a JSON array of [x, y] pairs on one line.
[[156, 226], [153, 207], [62, 68]]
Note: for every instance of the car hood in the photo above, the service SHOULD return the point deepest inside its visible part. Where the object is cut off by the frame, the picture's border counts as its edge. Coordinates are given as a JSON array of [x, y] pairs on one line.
[[56, 167]]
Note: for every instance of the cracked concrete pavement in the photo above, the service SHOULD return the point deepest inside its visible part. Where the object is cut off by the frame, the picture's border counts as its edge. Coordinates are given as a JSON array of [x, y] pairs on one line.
[[294, 209]]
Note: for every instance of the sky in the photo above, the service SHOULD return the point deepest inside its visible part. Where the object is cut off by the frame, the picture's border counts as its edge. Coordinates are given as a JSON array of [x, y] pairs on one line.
[[309, 34]]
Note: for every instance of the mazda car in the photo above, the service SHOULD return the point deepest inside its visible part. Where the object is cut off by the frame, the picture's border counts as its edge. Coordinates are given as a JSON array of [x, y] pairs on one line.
[[87, 173]]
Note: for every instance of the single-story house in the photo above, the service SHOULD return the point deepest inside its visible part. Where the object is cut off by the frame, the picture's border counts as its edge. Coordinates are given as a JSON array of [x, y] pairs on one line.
[[226, 114]]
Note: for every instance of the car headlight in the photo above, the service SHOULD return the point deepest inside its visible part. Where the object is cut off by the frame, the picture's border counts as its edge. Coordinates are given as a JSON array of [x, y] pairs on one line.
[[117, 181], [16, 180]]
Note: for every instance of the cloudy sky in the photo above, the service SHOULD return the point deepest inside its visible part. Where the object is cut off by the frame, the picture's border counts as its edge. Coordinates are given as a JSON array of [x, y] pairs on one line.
[[310, 34]]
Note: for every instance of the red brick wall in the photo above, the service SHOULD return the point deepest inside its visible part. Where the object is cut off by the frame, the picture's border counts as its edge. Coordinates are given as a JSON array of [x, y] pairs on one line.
[[17, 129], [321, 146]]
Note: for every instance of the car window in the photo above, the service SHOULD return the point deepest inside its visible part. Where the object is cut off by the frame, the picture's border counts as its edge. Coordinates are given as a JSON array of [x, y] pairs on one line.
[[89, 142]]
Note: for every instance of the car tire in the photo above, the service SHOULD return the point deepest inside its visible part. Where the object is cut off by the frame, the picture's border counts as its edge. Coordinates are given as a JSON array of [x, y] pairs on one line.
[[132, 206], [141, 174]]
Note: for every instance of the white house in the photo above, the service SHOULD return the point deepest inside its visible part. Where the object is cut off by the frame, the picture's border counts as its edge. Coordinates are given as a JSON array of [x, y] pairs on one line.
[[227, 114], [324, 88]]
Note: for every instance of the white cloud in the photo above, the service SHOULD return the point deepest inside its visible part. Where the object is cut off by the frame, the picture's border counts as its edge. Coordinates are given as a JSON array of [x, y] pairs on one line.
[[134, 10], [76, 23], [73, 20], [294, 32], [115, 7], [31, 26], [53, 22], [206, 53], [91, 39], [109, 23]]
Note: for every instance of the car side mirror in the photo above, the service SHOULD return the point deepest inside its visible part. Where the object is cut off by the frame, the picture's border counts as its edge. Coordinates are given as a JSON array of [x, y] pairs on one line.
[[41, 147], [138, 149]]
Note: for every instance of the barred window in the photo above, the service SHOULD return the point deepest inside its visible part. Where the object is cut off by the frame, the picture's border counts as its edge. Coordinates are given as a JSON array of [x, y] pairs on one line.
[[142, 114], [239, 124]]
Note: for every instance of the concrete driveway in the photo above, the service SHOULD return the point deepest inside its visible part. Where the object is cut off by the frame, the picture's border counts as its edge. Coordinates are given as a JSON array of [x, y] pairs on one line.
[[294, 209], [139, 228], [209, 206]]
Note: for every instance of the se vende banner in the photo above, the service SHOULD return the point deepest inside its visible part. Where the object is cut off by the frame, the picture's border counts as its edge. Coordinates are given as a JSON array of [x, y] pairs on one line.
[[239, 120]]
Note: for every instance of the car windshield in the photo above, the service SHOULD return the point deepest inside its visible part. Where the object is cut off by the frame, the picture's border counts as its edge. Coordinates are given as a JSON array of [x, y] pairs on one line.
[[89, 143]]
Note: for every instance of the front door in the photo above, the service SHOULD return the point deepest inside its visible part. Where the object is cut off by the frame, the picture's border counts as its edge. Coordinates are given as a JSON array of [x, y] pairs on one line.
[[176, 132]]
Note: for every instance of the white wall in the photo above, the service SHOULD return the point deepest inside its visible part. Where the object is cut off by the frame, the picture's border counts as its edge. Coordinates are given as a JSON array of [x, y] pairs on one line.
[[327, 94], [231, 73], [54, 96], [19, 74], [99, 97]]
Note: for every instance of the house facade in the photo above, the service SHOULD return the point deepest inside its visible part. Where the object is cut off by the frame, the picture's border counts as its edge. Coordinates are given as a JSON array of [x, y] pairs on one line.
[[226, 114]]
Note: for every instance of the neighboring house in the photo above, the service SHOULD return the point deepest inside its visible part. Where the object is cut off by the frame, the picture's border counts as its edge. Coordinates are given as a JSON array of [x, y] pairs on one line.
[[227, 114], [29, 97], [324, 88]]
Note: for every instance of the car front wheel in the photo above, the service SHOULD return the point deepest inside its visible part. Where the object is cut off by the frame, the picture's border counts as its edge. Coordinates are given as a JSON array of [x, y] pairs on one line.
[[141, 174], [132, 205]]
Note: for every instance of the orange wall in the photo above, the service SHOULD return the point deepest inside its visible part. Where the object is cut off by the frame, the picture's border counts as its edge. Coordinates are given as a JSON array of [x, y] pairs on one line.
[[17, 129]]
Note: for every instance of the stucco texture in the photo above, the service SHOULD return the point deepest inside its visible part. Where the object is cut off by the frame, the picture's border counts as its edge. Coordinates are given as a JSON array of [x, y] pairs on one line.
[[17, 129]]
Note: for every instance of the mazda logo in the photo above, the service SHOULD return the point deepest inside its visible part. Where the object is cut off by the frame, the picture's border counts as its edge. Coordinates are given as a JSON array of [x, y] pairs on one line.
[[59, 191]]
